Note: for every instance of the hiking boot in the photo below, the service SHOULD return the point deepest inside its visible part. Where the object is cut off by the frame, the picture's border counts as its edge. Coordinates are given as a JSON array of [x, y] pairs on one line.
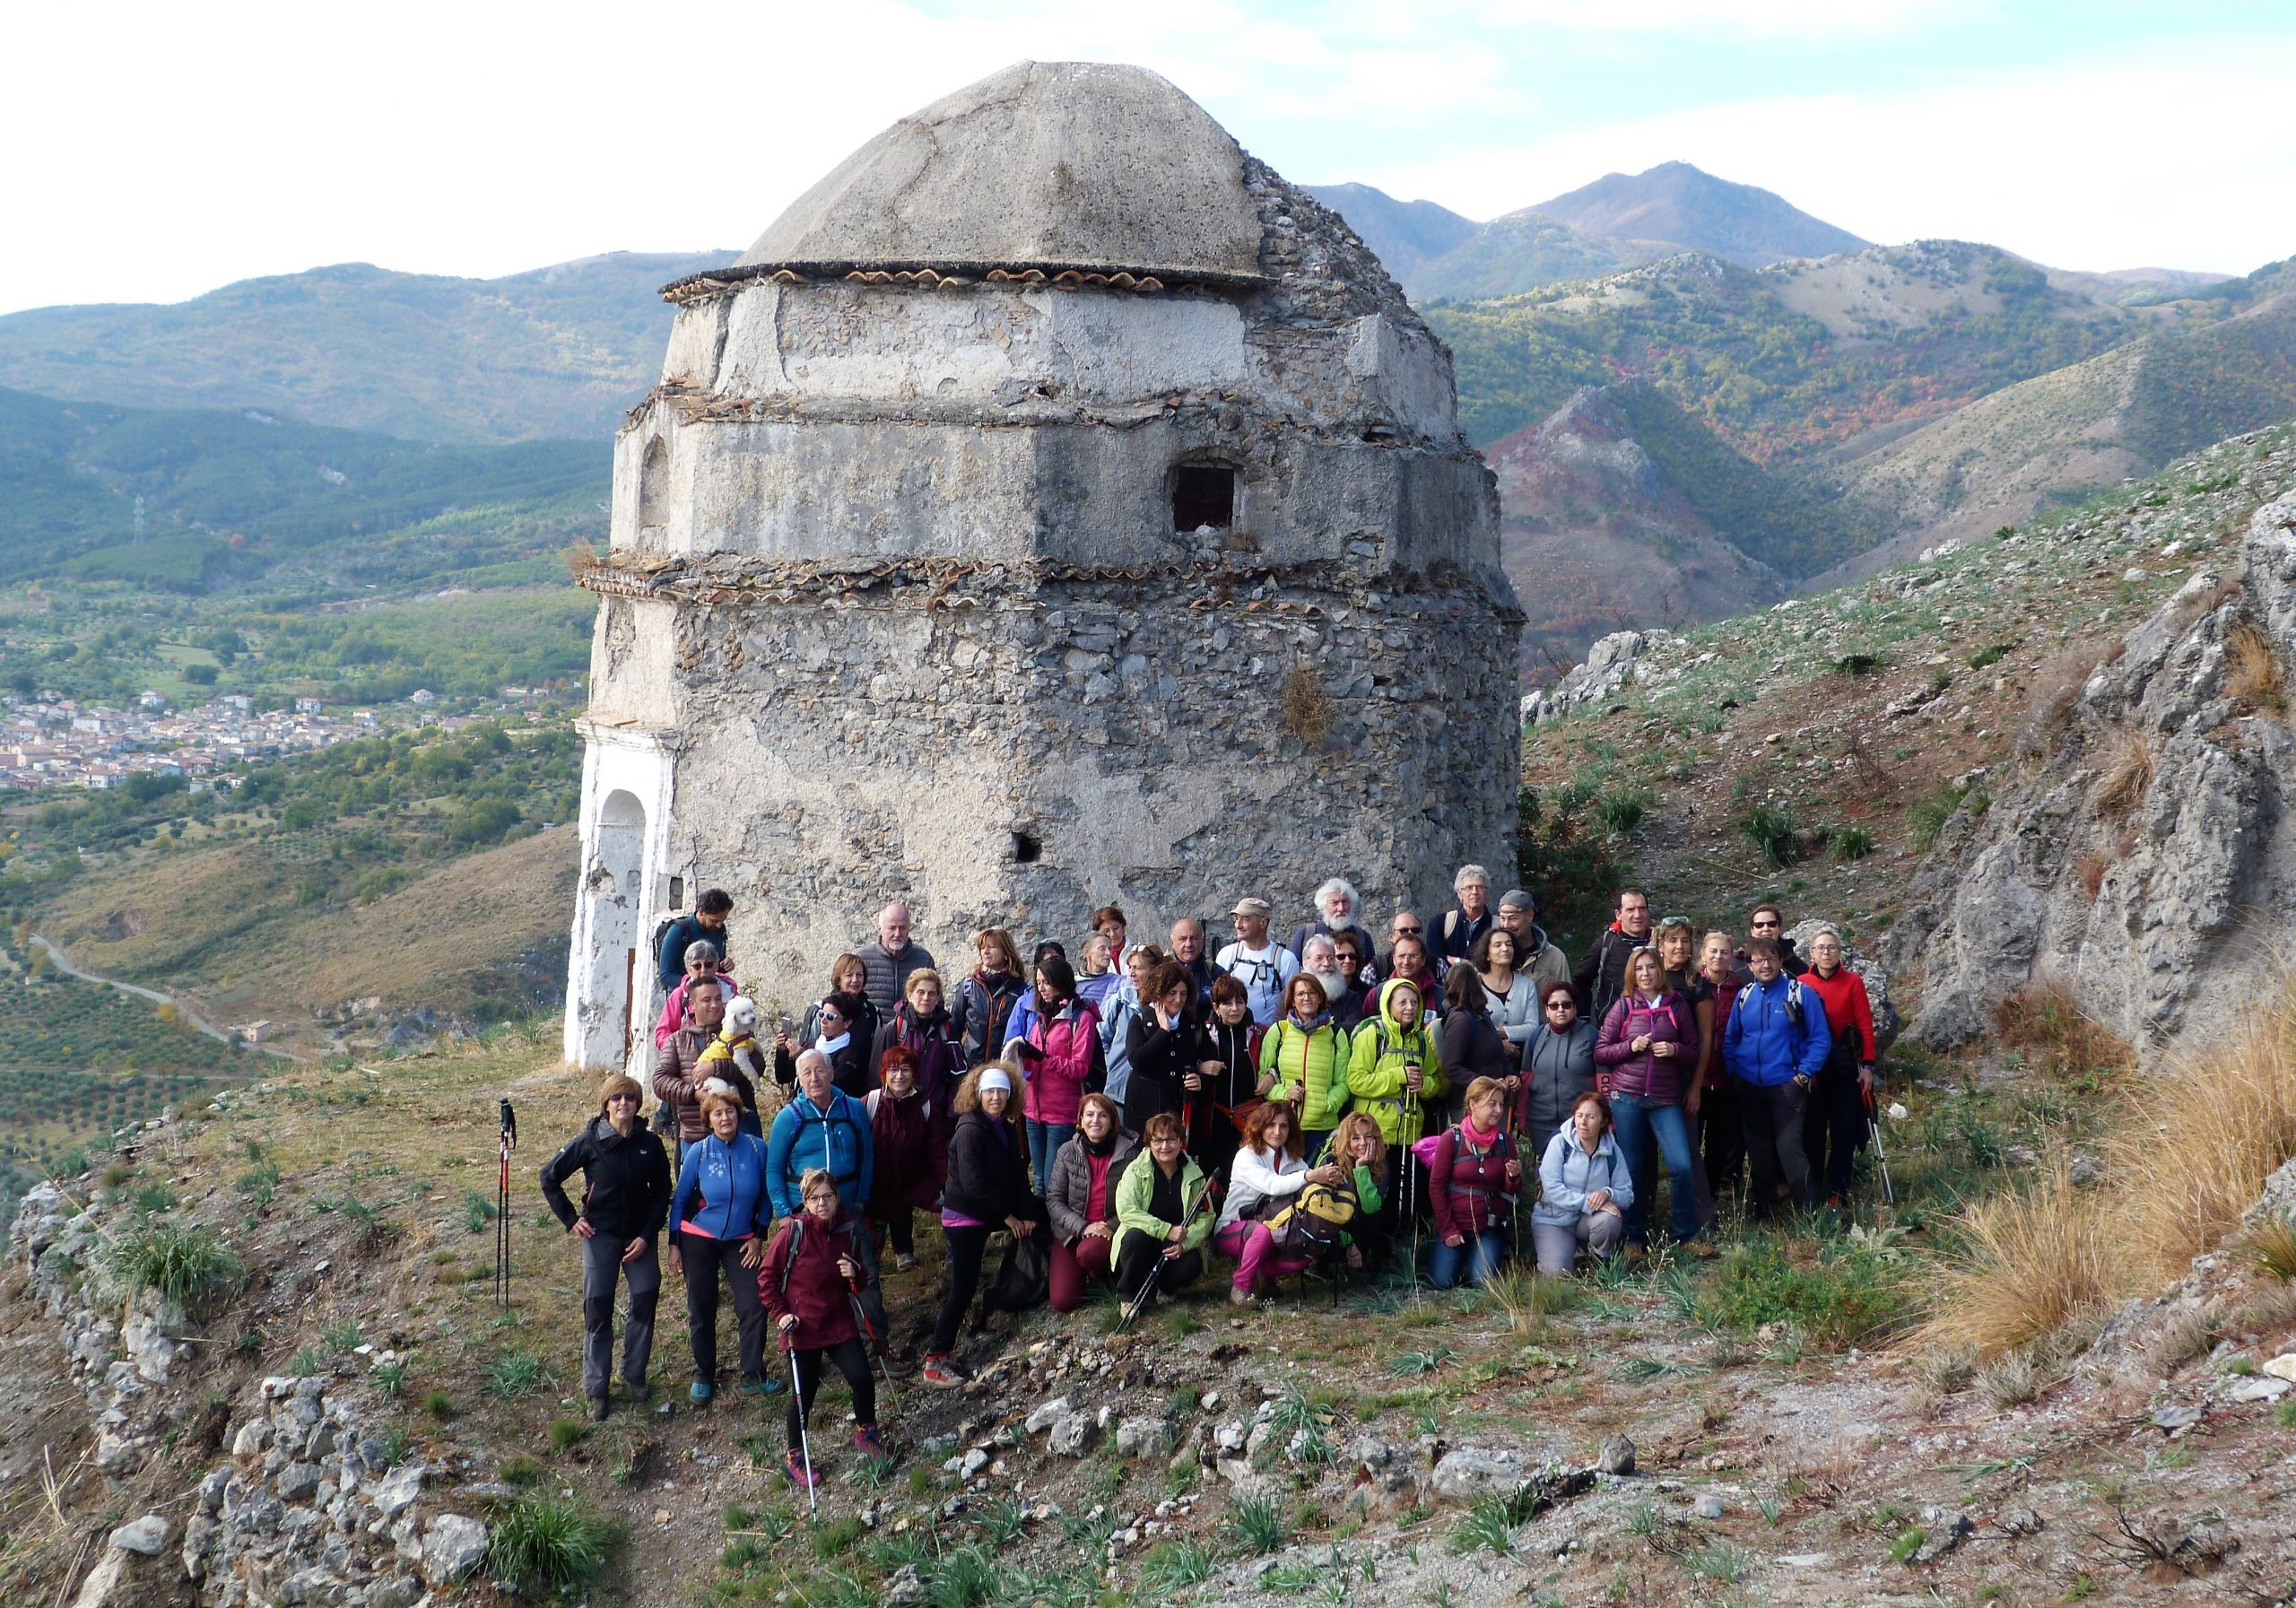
[[942, 1373], [701, 1391], [641, 1391], [1705, 1250], [866, 1441], [598, 1409], [903, 1262], [753, 1385], [798, 1476], [1241, 1297], [896, 1365], [1837, 1205]]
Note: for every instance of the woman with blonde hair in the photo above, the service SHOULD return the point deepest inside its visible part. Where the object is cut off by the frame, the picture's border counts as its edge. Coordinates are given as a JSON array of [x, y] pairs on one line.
[[1357, 1146], [985, 999]]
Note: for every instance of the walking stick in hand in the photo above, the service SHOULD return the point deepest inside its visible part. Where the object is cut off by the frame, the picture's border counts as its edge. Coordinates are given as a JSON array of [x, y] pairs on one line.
[[1133, 1307], [804, 1441], [876, 1343], [1873, 1131]]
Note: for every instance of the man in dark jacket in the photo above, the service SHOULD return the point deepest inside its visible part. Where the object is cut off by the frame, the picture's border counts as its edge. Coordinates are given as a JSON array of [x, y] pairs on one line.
[[707, 922], [1455, 935], [1187, 949], [625, 1202], [890, 959], [1766, 922], [1601, 976], [1536, 960]]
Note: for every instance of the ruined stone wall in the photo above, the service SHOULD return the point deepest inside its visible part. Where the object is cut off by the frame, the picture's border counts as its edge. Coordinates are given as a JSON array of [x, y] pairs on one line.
[[1169, 742]]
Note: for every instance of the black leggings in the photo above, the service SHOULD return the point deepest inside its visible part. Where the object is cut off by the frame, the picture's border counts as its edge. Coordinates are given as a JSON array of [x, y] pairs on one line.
[[853, 1362], [966, 1246], [1136, 1257], [703, 1257]]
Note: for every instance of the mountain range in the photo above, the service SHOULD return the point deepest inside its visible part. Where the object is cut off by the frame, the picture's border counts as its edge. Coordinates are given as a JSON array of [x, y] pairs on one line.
[[1697, 397]]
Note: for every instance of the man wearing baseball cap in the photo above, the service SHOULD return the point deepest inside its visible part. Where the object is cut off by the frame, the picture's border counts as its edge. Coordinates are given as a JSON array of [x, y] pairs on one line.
[[1536, 960], [1260, 964]]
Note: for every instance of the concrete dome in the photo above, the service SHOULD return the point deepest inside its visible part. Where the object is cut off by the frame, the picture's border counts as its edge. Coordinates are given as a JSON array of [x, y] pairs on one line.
[[1045, 164]]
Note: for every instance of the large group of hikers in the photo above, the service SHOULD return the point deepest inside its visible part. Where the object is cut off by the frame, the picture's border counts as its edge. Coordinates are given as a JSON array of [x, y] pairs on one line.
[[1310, 1106]]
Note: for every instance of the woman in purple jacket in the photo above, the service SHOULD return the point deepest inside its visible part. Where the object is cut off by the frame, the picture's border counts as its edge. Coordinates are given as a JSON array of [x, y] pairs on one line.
[[1646, 1054]]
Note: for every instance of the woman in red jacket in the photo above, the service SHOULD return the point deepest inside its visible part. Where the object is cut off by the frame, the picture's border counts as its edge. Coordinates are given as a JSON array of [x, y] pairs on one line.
[[1834, 1128], [811, 1272], [1473, 1184], [1062, 1053], [910, 1150]]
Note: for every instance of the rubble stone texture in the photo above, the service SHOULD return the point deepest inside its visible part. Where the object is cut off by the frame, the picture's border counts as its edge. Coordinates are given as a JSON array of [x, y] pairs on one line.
[[921, 584]]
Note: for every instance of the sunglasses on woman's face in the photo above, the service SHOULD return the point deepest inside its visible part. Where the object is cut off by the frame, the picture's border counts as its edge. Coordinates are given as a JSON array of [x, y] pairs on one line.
[[829, 1015]]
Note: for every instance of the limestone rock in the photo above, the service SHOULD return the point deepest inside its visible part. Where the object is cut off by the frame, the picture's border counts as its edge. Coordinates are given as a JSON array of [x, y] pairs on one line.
[[1046, 1414], [2283, 1367], [1943, 1535], [398, 1489], [1143, 1437], [1616, 1457], [147, 1536], [1709, 1506], [1468, 1474], [2177, 932], [253, 1440], [101, 1587], [452, 1546], [1075, 1435]]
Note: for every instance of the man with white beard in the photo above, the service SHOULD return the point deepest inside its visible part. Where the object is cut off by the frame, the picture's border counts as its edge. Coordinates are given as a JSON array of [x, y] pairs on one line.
[[1319, 959], [1337, 905]]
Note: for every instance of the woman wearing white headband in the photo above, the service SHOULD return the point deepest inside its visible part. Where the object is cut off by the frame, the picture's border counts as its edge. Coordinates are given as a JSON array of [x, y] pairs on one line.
[[987, 1189]]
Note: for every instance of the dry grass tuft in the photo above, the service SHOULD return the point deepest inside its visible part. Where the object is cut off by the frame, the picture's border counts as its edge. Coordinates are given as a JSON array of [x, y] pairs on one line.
[[2092, 869], [2126, 778], [581, 558], [2269, 1246], [2197, 1145], [2044, 1018], [2054, 689], [2032, 1259], [2252, 677], [1308, 711]]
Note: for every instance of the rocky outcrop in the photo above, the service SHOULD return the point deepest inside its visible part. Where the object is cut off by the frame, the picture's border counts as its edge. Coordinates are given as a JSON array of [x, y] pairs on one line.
[[308, 1504], [2144, 853], [1609, 665]]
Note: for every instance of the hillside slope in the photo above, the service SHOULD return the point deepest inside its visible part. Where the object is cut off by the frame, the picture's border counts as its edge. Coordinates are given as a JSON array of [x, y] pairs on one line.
[[557, 351], [187, 499]]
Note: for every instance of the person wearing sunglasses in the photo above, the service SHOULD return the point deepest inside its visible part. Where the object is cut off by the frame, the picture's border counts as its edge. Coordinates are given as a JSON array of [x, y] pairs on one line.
[[835, 1020], [625, 1203], [1410, 962], [1766, 922], [1558, 1063]]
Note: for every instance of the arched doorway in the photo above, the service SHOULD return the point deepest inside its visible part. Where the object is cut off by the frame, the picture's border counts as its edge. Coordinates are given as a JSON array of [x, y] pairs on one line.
[[616, 977]]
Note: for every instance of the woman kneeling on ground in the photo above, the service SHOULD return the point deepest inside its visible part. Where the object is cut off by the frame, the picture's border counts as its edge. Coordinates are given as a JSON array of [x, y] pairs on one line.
[[722, 1212], [1161, 1222], [1082, 1200], [1585, 1188], [1355, 1145], [1472, 1184], [807, 1283], [1268, 1175], [987, 1188]]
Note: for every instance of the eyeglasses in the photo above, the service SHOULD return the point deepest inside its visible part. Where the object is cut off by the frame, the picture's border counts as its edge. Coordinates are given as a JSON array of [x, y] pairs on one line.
[[1758, 926], [615, 1099]]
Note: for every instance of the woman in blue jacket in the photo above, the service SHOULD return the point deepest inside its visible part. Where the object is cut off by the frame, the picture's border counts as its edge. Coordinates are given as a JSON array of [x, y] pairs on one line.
[[721, 1213]]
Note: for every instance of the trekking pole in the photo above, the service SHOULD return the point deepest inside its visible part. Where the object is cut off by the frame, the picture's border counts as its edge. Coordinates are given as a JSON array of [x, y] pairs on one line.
[[1134, 1308], [1873, 1129], [804, 1440], [876, 1344], [1411, 1185], [508, 1143]]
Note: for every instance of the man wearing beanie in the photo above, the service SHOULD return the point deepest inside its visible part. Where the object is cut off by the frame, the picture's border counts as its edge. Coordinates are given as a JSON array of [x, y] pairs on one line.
[[625, 1202]]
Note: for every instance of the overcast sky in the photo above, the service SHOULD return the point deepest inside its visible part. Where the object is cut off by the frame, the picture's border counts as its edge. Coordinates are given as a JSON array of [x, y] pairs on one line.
[[157, 152]]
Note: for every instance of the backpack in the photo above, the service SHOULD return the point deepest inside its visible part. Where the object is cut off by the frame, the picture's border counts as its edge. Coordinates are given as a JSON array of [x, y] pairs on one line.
[[1316, 1220], [1794, 1007], [1025, 1279], [836, 1114]]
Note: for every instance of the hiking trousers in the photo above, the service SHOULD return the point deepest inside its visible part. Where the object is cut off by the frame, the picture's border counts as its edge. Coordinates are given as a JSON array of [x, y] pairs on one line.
[[1772, 1116], [703, 1257], [603, 1270]]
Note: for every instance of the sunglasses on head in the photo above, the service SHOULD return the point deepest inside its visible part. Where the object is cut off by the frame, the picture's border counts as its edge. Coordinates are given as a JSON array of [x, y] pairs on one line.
[[1680, 921]]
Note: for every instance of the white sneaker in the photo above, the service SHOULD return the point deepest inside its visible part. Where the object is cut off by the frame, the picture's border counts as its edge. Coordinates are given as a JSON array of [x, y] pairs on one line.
[[903, 1262], [1239, 1298]]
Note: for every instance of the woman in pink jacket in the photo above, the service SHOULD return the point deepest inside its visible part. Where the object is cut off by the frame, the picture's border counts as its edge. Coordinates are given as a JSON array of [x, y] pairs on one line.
[[1646, 1054], [1062, 1054]]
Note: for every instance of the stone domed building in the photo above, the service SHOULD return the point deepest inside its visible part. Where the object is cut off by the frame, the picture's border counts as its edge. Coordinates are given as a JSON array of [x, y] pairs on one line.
[[1054, 506]]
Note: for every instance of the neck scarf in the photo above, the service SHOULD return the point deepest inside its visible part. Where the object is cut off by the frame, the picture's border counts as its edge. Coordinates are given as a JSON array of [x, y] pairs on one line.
[[1475, 1135], [829, 1047]]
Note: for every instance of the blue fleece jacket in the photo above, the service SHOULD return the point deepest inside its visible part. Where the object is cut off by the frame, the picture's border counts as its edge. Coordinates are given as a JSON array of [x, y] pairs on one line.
[[1763, 1046], [730, 1181], [836, 1136]]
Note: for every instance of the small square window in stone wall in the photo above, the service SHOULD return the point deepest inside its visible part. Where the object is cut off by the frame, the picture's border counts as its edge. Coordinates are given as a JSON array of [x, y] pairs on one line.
[[1204, 494]]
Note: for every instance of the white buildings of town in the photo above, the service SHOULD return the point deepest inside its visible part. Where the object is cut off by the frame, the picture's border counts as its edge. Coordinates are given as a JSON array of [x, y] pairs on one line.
[[50, 741]]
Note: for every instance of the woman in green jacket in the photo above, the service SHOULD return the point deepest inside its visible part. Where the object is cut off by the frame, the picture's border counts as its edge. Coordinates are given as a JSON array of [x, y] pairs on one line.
[[1394, 1066], [1306, 1052], [1160, 1213]]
